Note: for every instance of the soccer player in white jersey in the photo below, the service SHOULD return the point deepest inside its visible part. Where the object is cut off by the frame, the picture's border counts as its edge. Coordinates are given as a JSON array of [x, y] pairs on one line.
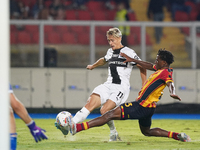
[[21, 111], [115, 90]]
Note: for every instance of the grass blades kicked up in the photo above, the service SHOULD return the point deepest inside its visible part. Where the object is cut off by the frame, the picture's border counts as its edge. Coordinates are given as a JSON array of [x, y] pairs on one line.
[[97, 138]]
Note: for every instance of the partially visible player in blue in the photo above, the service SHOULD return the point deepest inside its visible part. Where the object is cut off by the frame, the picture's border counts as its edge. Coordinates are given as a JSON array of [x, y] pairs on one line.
[[144, 106], [21, 111]]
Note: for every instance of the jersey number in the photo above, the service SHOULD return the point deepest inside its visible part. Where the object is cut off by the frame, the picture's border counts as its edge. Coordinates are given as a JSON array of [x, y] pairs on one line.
[[119, 96], [128, 104]]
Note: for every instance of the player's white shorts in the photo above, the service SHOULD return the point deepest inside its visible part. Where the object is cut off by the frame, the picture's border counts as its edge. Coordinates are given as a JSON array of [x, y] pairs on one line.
[[115, 92]]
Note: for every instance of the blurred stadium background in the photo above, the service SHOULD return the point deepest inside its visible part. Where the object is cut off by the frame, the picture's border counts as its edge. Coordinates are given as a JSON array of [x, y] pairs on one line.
[[49, 53]]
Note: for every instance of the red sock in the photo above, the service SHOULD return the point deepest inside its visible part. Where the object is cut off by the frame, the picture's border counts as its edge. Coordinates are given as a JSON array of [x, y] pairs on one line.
[[173, 135], [82, 126]]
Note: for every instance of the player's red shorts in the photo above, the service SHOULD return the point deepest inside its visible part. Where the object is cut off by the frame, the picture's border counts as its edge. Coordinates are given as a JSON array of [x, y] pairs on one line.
[[134, 110]]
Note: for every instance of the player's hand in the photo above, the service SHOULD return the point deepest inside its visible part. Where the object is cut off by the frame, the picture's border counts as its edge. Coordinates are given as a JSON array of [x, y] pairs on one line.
[[37, 132], [89, 67], [175, 97], [128, 59]]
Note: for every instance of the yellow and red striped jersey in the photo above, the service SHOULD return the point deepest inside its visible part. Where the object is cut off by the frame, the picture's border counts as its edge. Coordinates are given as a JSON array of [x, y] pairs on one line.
[[152, 90]]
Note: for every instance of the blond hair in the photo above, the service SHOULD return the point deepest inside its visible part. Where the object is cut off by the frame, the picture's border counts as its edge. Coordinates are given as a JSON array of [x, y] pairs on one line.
[[114, 32]]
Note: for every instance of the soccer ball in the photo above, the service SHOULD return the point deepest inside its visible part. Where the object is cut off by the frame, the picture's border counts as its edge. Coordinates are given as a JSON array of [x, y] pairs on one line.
[[62, 121], [61, 118]]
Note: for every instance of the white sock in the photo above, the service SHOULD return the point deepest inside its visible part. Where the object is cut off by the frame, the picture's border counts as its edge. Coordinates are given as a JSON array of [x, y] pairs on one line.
[[111, 125], [81, 115]]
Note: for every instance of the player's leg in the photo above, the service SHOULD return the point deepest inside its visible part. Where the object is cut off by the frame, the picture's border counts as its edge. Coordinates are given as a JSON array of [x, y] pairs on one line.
[[158, 132], [13, 134], [114, 114], [147, 131], [93, 102], [109, 105], [118, 95], [98, 97]]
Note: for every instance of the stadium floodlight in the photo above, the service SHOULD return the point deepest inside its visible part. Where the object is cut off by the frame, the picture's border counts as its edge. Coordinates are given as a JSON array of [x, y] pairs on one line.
[[4, 76]]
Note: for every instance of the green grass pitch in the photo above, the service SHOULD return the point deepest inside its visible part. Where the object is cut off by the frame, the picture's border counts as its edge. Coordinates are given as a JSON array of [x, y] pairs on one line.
[[97, 138]]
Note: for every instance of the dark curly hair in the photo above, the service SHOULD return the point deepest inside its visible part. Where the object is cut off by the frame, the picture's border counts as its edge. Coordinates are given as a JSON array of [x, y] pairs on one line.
[[166, 56]]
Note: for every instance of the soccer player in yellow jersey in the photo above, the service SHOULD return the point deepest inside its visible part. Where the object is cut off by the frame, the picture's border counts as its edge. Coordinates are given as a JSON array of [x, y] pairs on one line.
[[144, 106]]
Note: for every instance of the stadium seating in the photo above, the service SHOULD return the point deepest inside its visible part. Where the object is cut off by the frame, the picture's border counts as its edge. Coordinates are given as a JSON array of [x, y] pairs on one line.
[[132, 17], [67, 2], [95, 5], [61, 28], [35, 38], [13, 28], [181, 16], [47, 3], [69, 38], [138, 39], [29, 3], [24, 37], [83, 38], [96, 10], [77, 29], [102, 29], [87, 29], [135, 30], [193, 15], [194, 10], [132, 39], [84, 15], [48, 28], [53, 38], [191, 4], [99, 15], [13, 38], [186, 30], [100, 39], [71, 15], [32, 28], [111, 15]]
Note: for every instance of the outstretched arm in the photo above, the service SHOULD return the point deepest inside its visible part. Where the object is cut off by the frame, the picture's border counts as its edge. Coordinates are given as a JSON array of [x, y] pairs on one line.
[[144, 64], [99, 62], [21, 111], [143, 73], [172, 91]]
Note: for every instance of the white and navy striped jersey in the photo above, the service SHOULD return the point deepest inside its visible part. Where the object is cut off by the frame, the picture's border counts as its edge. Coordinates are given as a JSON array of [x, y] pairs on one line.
[[118, 71]]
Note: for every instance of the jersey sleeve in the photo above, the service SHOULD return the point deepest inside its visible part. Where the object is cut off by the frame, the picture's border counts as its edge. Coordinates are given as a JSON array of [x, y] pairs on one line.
[[154, 67], [167, 75], [10, 89], [132, 54]]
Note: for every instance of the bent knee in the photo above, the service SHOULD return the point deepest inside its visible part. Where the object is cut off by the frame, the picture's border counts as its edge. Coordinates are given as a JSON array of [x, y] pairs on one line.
[[146, 133], [103, 111]]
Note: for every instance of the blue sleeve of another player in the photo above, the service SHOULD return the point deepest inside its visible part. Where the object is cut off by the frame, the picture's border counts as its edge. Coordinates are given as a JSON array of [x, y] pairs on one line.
[[10, 89]]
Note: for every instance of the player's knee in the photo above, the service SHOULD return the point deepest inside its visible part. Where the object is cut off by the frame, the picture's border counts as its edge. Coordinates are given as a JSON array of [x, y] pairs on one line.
[[146, 132], [108, 116], [103, 111]]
